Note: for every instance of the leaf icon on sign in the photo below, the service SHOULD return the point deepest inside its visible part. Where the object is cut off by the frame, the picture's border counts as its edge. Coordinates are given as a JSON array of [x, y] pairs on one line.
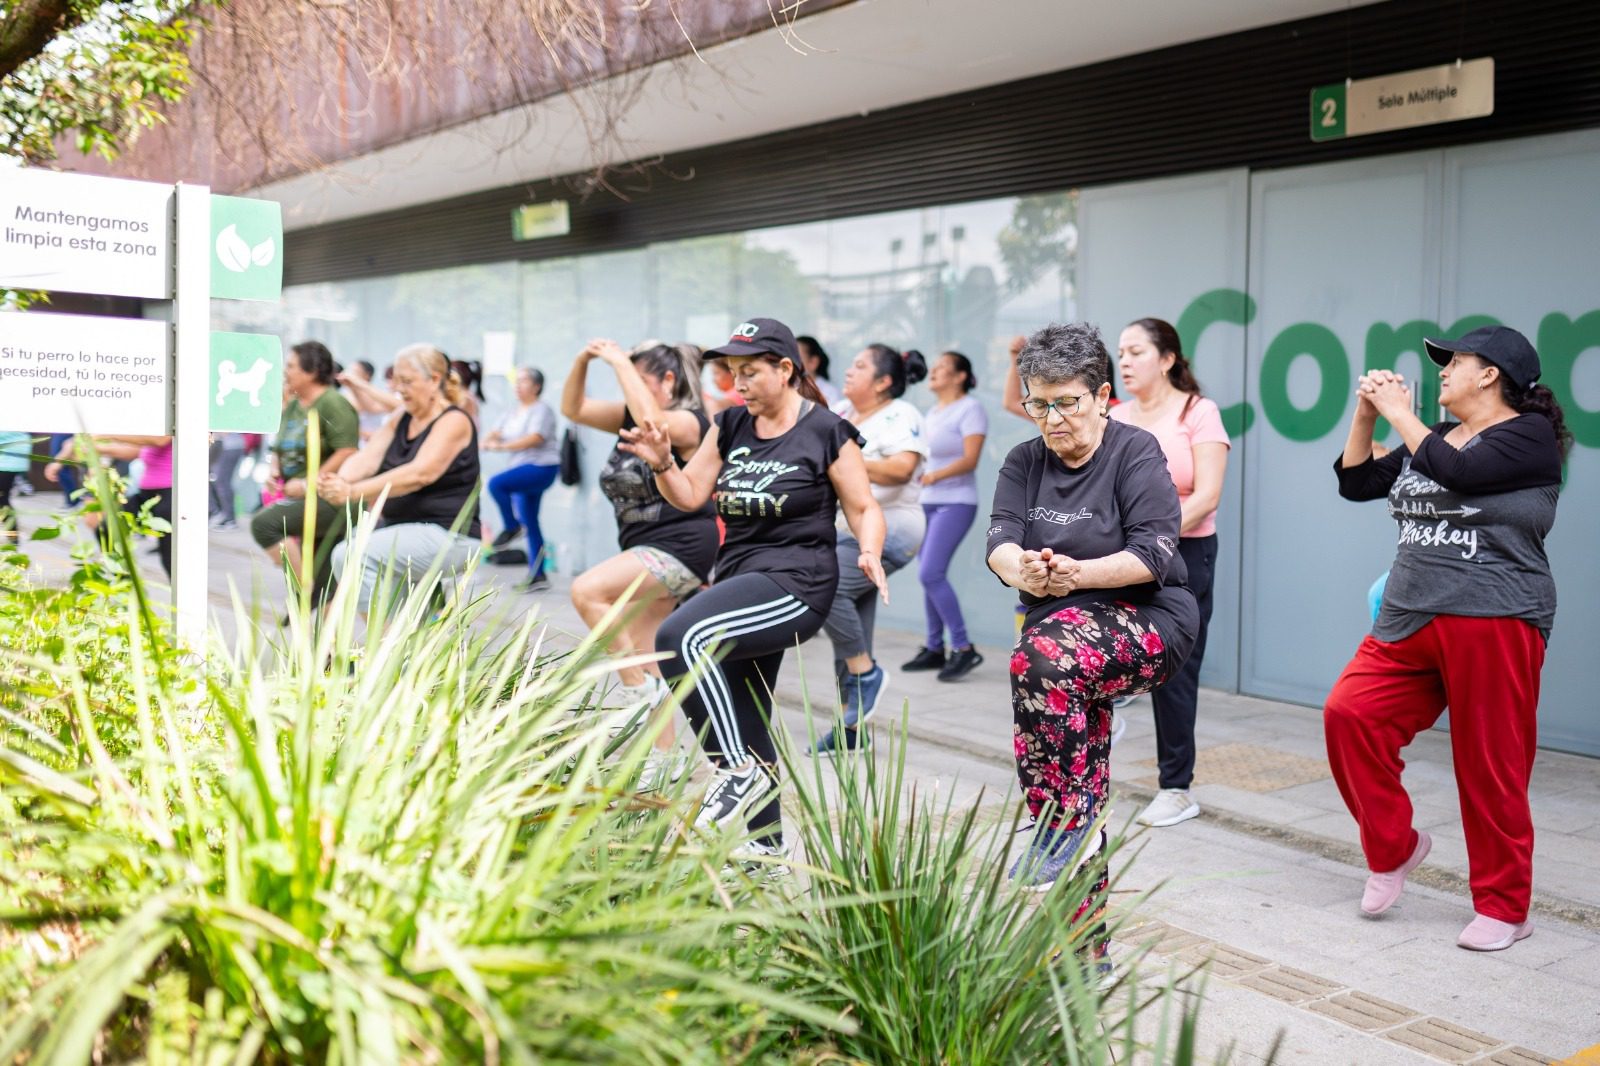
[[261, 254], [233, 252]]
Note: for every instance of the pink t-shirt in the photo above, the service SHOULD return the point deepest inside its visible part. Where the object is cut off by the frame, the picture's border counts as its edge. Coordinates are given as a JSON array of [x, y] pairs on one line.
[[157, 464], [1178, 436]]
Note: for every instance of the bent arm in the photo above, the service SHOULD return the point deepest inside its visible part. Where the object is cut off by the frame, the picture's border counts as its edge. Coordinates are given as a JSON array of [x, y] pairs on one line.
[[1011, 393], [450, 435], [853, 486], [371, 400], [689, 487], [893, 469], [971, 449], [365, 463], [1210, 466], [1113, 572], [577, 406]]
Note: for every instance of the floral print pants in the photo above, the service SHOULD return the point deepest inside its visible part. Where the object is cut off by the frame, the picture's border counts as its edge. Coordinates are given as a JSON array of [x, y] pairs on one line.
[[1065, 672]]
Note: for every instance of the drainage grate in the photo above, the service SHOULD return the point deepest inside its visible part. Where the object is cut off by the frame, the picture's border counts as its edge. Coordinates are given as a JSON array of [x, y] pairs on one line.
[[1248, 767]]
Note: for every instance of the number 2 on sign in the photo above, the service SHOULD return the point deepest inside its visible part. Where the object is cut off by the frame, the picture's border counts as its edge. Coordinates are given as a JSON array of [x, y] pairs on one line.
[[1330, 112]]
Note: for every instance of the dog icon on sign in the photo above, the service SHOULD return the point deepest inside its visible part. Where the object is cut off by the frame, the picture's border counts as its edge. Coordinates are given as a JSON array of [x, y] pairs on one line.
[[231, 380]]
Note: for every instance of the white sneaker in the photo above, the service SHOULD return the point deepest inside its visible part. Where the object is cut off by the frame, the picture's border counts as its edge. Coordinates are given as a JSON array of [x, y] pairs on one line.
[[663, 769], [628, 707], [649, 693], [730, 797], [765, 860], [1171, 806], [1119, 726]]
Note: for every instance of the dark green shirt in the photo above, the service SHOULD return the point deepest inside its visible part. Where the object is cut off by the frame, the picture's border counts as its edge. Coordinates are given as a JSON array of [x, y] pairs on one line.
[[339, 424]]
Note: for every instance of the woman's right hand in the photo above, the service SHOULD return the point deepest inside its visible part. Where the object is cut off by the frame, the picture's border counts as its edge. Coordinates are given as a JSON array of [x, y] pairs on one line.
[[52, 472], [1033, 572], [649, 442], [607, 351]]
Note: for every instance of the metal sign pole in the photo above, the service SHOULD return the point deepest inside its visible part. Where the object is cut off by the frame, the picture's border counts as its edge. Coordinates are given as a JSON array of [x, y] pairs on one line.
[[191, 387]]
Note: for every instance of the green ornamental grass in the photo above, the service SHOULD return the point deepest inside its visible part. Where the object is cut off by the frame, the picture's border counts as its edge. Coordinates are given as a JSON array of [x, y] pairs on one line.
[[399, 844]]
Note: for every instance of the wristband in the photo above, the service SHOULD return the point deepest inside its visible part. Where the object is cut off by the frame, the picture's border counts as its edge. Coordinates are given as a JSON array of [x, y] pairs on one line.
[[663, 468]]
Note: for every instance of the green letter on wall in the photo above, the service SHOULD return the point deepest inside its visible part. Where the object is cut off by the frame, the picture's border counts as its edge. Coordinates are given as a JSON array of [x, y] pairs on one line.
[[1219, 305], [1319, 342], [1561, 342]]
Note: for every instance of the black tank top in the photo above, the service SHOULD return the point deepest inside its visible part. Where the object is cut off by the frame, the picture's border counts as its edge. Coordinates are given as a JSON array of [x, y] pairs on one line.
[[441, 502]]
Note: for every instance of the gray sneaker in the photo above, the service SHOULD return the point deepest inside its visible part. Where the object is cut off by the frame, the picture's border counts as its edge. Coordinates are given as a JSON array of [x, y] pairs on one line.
[[1171, 806]]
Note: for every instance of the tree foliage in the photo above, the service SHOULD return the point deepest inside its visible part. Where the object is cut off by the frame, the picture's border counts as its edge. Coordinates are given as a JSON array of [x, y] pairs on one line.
[[94, 71]]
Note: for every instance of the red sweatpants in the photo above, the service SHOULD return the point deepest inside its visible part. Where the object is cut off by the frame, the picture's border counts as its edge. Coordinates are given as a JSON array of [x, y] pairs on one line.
[[1487, 671]]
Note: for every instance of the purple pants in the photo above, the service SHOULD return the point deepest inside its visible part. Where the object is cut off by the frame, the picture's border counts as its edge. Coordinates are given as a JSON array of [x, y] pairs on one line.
[[947, 525]]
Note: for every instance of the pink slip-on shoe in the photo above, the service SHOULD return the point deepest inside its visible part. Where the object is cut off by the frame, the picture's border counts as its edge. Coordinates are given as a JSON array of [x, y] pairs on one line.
[[1383, 889], [1491, 934]]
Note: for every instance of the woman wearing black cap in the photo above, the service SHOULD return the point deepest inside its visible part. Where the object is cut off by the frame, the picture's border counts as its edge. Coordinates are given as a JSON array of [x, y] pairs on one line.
[[776, 468], [1466, 612]]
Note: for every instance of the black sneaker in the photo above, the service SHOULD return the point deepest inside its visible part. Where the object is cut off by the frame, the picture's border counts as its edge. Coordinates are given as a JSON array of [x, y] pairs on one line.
[[506, 537], [925, 659], [843, 741], [534, 583], [961, 664], [731, 794]]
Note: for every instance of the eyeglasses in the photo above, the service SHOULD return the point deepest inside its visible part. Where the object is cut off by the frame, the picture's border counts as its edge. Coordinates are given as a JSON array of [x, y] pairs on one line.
[[1065, 406]]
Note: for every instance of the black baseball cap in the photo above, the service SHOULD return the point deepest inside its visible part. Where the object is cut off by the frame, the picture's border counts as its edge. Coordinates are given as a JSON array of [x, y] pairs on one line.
[[1500, 345], [761, 336]]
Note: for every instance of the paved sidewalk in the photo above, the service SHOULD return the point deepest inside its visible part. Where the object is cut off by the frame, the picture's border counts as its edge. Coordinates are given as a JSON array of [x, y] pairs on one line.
[[1261, 889]]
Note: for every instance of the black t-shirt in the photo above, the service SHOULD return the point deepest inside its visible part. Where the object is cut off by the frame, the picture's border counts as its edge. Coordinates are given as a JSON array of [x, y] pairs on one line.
[[441, 502], [777, 503], [1122, 499], [644, 519]]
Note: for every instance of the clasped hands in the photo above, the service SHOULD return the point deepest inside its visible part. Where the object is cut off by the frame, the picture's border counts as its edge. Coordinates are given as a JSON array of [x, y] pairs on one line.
[[334, 489], [1384, 392], [1046, 573]]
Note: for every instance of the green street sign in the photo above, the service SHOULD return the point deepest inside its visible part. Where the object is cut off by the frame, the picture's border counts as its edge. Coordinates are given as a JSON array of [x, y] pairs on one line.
[[246, 249], [246, 394]]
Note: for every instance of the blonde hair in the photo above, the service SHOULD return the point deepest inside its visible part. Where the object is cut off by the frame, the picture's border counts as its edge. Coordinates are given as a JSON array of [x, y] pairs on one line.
[[431, 361]]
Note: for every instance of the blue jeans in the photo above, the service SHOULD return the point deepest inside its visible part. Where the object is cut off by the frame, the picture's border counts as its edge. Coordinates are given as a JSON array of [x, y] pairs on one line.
[[69, 473], [517, 492]]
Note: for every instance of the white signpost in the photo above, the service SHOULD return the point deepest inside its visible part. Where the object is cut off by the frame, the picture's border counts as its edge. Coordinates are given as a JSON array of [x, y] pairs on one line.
[[72, 233]]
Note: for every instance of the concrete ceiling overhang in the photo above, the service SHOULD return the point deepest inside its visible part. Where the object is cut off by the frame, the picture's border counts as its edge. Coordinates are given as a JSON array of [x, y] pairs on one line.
[[862, 57]]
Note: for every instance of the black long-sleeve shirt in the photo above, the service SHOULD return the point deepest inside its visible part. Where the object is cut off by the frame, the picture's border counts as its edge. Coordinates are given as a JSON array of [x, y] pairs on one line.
[[1472, 520]]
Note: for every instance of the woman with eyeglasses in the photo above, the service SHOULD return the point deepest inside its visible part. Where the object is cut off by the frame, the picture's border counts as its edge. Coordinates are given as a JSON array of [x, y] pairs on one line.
[[1085, 528]]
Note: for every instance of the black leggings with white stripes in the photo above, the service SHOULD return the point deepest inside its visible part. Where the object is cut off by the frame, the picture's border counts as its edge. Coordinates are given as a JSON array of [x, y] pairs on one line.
[[734, 634]]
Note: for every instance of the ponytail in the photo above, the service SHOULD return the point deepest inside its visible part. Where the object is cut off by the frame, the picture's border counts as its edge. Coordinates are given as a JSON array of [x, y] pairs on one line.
[[1538, 400], [682, 360], [469, 376], [454, 391], [901, 370]]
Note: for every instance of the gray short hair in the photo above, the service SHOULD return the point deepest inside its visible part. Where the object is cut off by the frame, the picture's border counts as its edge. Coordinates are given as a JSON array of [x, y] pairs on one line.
[[1062, 352]]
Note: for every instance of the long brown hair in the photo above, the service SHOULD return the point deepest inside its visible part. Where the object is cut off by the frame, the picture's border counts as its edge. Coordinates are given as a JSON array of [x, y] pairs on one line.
[[1167, 342]]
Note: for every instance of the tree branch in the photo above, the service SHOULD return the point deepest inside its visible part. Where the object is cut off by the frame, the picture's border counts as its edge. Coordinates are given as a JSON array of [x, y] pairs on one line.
[[28, 26]]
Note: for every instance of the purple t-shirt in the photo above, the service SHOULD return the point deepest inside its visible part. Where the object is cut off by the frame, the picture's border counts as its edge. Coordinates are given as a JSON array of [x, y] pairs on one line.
[[946, 428]]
